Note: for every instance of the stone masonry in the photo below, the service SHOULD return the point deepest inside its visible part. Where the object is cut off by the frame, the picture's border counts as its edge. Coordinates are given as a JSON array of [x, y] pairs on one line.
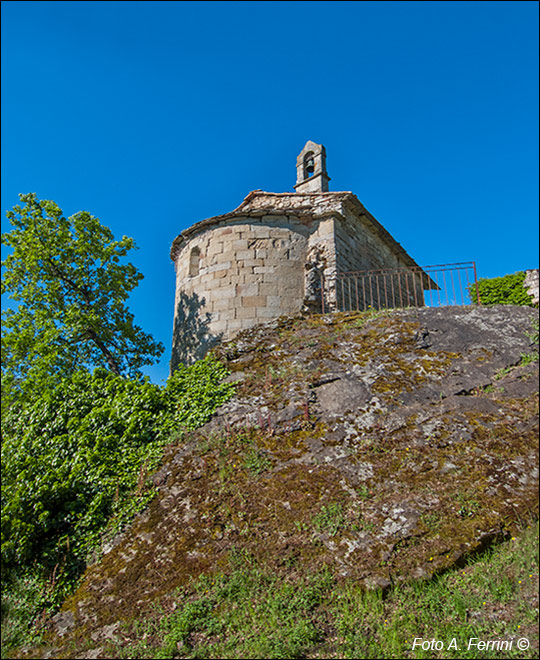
[[276, 254], [531, 284]]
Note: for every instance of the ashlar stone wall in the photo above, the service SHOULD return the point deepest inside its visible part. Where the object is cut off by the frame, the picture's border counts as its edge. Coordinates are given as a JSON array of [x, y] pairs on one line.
[[236, 274], [362, 245], [531, 284], [276, 254]]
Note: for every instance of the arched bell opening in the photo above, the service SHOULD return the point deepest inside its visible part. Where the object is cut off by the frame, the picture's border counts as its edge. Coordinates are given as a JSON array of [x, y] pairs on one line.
[[309, 165]]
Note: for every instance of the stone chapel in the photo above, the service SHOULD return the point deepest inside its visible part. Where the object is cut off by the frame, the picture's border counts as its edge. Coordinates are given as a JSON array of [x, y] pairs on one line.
[[276, 254]]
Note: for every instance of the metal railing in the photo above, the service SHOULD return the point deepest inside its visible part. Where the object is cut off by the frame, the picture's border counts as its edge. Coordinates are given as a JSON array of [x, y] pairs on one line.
[[429, 286]]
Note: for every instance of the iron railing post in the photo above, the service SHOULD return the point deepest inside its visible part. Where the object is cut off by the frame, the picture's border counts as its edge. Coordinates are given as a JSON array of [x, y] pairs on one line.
[[478, 301]]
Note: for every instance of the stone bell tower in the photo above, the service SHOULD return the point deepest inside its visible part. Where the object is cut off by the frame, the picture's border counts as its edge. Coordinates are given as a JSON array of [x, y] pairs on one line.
[[311, 174]]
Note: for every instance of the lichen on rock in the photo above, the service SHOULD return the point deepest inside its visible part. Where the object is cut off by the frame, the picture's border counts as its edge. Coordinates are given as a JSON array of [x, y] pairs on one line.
[[384, 445]]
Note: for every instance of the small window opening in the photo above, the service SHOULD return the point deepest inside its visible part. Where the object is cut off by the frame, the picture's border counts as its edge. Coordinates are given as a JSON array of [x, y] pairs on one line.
[[194, 260], [309, 165]]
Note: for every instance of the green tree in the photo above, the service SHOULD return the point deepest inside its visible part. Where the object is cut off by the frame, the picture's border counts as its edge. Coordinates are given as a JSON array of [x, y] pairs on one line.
[[66, 276]]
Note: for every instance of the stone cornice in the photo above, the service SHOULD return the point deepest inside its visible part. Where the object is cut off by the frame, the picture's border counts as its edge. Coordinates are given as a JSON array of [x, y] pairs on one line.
[[271, 206], [307, 205]]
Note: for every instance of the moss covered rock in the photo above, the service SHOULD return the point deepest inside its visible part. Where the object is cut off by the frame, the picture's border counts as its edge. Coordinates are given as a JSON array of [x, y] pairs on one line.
[[385, 446]]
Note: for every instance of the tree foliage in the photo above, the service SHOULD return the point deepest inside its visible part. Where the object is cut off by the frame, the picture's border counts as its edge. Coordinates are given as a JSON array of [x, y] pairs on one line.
[[70, 285], [507, 290], [76, 458], [77, 446]]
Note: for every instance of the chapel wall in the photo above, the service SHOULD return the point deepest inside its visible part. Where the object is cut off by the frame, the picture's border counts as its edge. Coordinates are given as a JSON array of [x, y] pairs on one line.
[[531, 284], [360, 248], [239, 273]]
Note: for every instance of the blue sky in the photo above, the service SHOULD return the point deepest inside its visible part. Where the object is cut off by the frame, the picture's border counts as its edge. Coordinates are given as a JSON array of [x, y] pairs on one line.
[[155, 115]]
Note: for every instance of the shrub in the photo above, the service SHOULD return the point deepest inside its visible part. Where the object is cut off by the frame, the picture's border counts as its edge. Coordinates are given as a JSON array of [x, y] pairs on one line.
[[78, 456], [507, 290]]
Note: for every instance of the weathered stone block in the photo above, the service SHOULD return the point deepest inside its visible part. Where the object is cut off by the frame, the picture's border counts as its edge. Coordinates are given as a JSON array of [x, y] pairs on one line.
[[267, 288], [229, 256], [248, 323], [245, 254], [265, 313], [224, 265], [220, 304], [253, 301], [251, 289], [215, 247], [261, 231], [226, 291], [245, 312], [219, 326], [234, 325]]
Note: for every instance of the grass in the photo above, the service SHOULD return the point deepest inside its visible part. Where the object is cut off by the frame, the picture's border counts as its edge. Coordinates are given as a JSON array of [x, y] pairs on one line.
[[491, 598], [256, 461], [330, 519], [527, 358], [248, 612], [18, 608]]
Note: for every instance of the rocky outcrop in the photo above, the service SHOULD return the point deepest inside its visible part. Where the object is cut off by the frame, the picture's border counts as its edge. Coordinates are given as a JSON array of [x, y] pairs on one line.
[[387, 446]]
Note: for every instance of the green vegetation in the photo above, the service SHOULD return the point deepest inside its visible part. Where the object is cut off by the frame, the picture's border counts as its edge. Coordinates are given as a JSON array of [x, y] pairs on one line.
[[507, 290], [257, 461], [527, 358], [75, 465], [277, 614], [490, 598], [246, 611], [82, 430], [533, 335], [70, 288], [330, 519]]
